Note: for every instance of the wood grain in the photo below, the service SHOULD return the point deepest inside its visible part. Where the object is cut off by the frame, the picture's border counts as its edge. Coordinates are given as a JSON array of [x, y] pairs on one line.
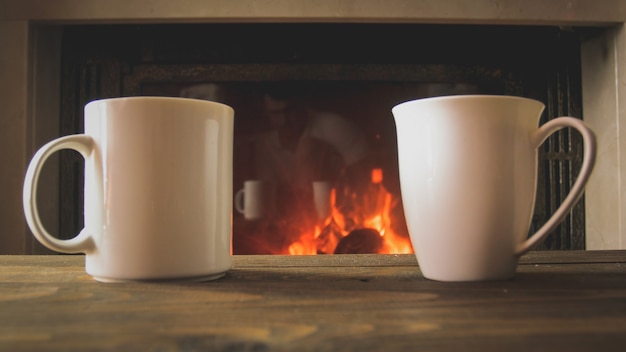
[[573, 301]]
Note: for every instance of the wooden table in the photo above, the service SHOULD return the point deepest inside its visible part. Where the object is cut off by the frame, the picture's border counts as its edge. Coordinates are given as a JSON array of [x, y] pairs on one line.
[[559, 301]]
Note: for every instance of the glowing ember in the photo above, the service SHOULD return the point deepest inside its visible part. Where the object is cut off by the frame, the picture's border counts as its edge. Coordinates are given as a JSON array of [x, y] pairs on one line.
[[365, 230]]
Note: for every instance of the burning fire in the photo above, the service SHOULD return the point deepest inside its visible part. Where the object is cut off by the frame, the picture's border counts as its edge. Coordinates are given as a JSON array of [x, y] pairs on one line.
[[367, 230]]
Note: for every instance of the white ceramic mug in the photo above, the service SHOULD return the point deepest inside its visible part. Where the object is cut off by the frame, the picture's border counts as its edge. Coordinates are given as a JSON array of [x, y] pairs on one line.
[[158, 181], [468, 175], [255, 200]]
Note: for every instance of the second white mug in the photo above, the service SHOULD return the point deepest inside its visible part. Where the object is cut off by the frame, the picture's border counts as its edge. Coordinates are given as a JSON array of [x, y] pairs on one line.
[[468, 177]]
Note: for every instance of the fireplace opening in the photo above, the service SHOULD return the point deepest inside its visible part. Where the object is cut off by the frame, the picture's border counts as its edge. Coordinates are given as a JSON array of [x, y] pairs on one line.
[[320, 159], [314, 135]]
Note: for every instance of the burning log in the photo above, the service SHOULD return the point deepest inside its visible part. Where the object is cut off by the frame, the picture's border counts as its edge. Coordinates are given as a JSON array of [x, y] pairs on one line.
[[360, 241], [329, 237]]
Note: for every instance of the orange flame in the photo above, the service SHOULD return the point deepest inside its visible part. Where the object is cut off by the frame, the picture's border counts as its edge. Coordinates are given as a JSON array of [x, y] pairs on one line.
[[377, 176], [377, 209]]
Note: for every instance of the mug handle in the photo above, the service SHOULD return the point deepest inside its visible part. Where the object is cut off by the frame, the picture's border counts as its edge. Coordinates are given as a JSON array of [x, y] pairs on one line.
[[83, 241], [589, 157], [239, 201]]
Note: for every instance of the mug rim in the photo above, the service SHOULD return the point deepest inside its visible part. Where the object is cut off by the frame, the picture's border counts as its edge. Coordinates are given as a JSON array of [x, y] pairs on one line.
[[466, 97], [156, 97]]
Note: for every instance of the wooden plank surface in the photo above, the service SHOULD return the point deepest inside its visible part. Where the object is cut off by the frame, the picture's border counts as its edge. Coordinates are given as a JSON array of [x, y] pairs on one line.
[[574, 301]]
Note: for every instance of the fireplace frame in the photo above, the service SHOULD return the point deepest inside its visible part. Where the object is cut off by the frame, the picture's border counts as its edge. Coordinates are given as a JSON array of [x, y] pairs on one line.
[[127, 60], [29, 90]]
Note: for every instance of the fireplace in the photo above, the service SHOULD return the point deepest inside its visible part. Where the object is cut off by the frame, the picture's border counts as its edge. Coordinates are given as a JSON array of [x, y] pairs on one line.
[[526, 49], [339, 82]]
